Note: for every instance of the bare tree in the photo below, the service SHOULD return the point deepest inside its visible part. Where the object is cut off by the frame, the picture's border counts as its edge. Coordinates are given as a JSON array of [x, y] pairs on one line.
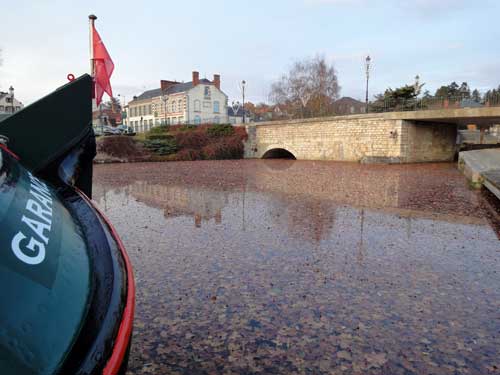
[[308, 89]]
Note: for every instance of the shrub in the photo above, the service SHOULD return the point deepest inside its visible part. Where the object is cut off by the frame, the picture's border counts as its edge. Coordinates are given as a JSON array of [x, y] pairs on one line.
[[220, 130], [226, 148], [160, 136], [161, 146], [184, 128], [191, 142], [188, 154], [157, 130], [241, 132], [119, 146], [192, 139]]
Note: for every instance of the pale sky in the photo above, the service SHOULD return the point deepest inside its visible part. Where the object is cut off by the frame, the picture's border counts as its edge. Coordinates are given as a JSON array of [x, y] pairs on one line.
[[255, 40]]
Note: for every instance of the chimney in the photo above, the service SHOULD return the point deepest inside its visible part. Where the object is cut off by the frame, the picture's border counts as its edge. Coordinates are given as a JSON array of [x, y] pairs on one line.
[[196, 79], [165, 85], [216, 81]]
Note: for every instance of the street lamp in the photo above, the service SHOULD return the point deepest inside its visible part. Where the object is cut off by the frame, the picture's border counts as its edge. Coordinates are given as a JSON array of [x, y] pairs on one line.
[[11, 92], [122, 109], [164, 98], [417, 85], [367, 67], [243, 84]]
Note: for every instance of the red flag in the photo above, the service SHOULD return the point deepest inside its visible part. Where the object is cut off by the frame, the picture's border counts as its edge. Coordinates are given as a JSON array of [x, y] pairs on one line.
[[103, 67]]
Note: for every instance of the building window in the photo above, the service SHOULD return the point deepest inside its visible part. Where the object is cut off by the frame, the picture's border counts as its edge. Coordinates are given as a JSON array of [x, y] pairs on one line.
[[197, 120], [174, 106], [1, 108], [216, 119], [197, 105], [207, 92], [149, 109], [216, 107], [150, 123]]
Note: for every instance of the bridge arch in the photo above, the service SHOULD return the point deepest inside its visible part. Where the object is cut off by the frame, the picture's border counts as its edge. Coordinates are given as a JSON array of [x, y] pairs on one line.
[[278, 153]]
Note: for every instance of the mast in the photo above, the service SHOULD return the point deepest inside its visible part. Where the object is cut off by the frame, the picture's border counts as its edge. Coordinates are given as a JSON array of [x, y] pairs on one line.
[[92, 18]]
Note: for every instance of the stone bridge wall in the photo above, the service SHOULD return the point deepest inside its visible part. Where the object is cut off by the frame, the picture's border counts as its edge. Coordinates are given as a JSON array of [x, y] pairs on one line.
[[354, 138]]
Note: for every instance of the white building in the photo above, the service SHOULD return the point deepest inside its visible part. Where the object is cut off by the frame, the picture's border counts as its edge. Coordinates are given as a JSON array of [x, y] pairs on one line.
[[197, 102], [8, 103]]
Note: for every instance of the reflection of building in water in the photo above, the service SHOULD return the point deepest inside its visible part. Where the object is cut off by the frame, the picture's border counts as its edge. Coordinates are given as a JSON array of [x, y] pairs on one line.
[[181, 200], [307, 219]]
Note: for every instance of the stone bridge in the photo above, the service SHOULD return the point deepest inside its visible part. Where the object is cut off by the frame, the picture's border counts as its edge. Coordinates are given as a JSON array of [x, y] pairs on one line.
[[396, 137]]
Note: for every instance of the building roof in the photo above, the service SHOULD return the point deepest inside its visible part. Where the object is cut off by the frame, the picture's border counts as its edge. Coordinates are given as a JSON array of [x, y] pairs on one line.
[[230, 112], [148, 94], [348, 100], [174, 89]]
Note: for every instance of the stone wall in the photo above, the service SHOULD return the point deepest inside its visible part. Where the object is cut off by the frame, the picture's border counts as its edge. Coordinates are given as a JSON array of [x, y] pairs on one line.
[[354, 138], [423, 142]]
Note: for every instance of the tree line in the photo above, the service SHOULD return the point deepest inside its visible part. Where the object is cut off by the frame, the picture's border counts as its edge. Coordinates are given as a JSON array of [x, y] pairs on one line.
[[410, 97]]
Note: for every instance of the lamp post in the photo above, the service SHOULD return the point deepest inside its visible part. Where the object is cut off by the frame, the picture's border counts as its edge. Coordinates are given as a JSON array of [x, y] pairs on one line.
[[122, 109], [243, 84], [11, 92], [367, 67], [164, 98], [417, 90]]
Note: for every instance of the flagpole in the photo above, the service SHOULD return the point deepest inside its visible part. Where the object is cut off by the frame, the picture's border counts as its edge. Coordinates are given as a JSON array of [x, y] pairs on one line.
[[92, 18]]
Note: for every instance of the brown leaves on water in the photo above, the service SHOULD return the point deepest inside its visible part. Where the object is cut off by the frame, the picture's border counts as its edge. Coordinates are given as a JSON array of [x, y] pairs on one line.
[[260, 269]]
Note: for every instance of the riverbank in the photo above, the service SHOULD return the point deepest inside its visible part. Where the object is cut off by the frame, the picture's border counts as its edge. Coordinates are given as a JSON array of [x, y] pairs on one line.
[[174, 143]]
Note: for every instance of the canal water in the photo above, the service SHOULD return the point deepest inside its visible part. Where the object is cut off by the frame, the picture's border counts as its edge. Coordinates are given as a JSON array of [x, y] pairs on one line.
[[298, 267]]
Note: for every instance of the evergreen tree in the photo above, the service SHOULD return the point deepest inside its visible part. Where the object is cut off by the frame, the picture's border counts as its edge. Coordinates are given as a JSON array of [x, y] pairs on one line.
[[476, 96], [464, 90], [401, 98]]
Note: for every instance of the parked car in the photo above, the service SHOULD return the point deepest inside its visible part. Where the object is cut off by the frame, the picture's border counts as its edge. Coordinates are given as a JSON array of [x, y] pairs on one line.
[[68, 287], [126, 130], [110, 130]]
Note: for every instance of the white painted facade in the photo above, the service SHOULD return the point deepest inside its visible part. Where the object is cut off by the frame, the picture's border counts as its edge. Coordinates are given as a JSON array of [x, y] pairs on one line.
[[206, 105], [201, 103], [6, 105], [140, 115]]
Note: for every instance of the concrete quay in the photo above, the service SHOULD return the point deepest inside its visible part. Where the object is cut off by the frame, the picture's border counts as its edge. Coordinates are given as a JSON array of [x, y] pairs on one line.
[[482, 167]]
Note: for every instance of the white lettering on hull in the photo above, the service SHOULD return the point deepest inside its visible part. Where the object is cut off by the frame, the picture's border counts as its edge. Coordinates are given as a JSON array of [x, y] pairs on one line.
[[38, 219]]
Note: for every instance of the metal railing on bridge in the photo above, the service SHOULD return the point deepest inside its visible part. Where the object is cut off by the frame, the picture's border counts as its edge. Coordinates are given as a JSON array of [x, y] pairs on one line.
[[431, 103]]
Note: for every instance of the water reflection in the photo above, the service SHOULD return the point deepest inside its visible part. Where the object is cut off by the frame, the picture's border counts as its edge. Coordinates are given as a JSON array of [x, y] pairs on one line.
[[306, 267], [303, 194]]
